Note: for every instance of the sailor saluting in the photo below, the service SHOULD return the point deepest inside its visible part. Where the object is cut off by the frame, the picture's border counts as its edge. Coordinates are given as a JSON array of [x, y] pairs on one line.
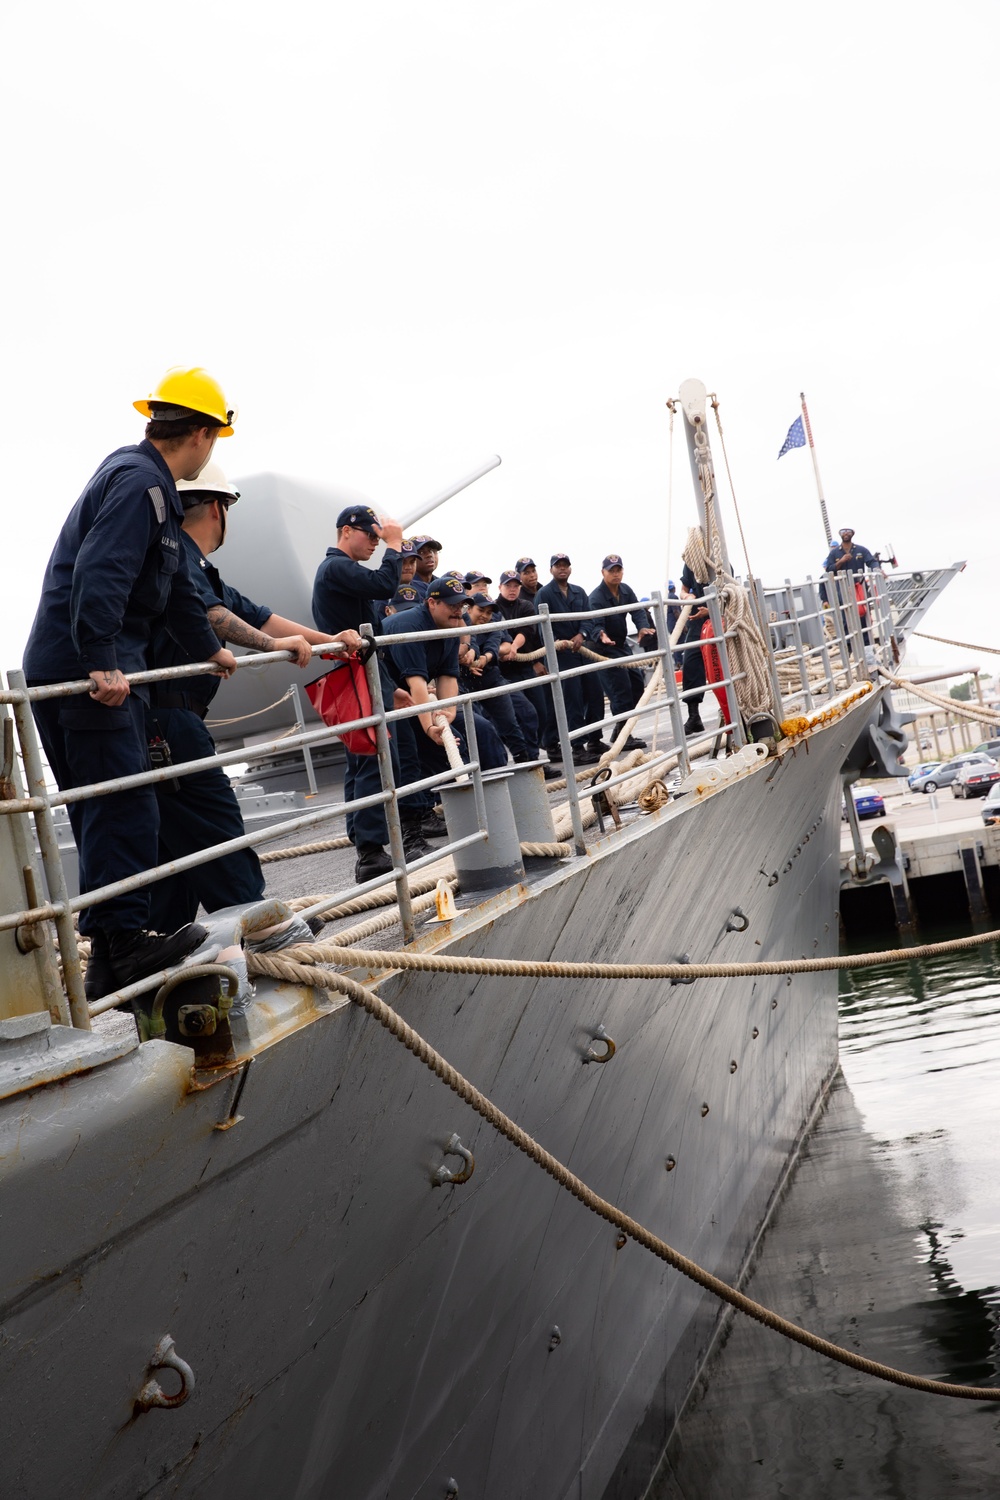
[[116, 566]]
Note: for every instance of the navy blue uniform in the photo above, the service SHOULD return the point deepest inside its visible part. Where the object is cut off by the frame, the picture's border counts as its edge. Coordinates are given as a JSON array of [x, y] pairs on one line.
[[432, 659], [343, 599], [116, 567], [575, 696], [693, 674], [538, 699], [511, 715], [623, 685], [859, 559], [203, 809]]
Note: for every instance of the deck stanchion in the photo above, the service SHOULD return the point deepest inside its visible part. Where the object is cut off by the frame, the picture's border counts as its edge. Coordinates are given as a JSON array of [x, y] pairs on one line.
[[565, 743], [722, 646], [300, 722], [389, 785], [811, 594], [836, 609], [670, 680], [48, 844], [793, 616], [472, 740], [757, 589]]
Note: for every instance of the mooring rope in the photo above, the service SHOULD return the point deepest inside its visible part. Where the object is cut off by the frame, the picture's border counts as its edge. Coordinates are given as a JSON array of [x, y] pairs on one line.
[[281, 967], [981, 715], [296, 851], [965, 645], [333, 953]]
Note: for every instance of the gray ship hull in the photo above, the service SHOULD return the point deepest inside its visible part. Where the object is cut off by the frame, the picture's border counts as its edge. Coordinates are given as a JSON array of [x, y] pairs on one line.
[[355, 1332]]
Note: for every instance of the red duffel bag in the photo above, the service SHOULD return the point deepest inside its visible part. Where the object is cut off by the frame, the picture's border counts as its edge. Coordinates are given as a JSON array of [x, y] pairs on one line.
[[342, 695]]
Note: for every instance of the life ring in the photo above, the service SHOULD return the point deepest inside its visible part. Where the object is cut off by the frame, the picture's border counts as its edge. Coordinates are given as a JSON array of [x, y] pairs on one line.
[[713, 670]]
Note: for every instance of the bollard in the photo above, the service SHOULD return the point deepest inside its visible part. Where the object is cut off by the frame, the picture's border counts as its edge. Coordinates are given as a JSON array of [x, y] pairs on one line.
[[493, 863], [529, 800]]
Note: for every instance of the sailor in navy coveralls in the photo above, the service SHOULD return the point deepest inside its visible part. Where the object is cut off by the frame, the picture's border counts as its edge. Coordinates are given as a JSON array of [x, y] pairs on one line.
[[202, 809], [343, 599], [609, 637], [419, 665], [562, 598], [118, 566]]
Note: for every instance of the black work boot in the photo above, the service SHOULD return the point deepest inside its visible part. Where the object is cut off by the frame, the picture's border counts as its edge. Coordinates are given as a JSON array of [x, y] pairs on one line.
[[432, 825], [99, 980], [134, 955], [415, 846], [694, 724], [371, 860], [550, 772]]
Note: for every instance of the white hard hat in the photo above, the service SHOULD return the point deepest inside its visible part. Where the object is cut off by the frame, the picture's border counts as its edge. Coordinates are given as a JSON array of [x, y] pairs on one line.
[[211, 481]]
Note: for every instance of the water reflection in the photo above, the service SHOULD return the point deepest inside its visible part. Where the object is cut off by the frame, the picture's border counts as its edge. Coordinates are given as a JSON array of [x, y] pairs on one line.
[[888, 1242]]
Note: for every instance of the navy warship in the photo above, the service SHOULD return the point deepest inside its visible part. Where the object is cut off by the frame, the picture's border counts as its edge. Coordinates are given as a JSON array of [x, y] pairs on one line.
[[252, 1245]]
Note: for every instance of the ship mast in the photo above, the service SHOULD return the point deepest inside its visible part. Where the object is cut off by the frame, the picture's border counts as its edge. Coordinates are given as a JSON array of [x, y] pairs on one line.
[[694, 402]]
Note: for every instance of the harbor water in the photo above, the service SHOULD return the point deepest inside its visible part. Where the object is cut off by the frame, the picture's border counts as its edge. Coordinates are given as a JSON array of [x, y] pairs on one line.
[[887, 1242]]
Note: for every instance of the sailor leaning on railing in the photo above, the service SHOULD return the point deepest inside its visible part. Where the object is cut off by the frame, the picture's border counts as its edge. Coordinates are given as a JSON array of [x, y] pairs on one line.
[[117, 568]]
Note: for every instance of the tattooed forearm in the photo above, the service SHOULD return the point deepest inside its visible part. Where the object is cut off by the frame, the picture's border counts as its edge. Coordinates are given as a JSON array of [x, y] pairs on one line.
[[228, 627]]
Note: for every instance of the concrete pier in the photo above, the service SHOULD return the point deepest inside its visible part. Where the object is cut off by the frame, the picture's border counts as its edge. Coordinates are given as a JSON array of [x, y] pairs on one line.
[[937, 835]]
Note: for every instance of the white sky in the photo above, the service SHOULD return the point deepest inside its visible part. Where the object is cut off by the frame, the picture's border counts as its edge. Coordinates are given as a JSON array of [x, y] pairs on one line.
[[406, 236]]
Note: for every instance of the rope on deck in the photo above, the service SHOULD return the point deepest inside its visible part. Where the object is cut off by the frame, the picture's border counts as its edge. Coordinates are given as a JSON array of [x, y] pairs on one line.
[[282, 967]]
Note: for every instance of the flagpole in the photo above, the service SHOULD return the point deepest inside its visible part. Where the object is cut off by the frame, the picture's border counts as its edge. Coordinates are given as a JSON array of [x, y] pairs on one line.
[[819, 482]]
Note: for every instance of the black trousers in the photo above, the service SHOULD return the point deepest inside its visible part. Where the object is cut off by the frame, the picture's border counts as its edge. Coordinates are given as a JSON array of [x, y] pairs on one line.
[[202, 811], [116, 836]]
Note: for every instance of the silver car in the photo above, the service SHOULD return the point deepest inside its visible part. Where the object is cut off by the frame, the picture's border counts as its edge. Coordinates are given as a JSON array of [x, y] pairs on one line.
[[945, 773]]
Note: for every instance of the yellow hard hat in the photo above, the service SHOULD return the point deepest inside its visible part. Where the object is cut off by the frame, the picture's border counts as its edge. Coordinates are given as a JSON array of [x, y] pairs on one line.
[[194, 390]]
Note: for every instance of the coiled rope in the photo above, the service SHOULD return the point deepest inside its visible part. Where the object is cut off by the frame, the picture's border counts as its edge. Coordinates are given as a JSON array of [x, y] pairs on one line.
[[283, 968]]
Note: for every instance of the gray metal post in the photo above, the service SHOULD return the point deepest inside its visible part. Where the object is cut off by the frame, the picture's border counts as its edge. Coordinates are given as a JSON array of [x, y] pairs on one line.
[[48, 844], [389, 785], [765, 626], [815, 608], [472, 740], [670, 682], [565, 743], [837, 610], [306, 752], [793, 615], [853, 616], [722, 646]]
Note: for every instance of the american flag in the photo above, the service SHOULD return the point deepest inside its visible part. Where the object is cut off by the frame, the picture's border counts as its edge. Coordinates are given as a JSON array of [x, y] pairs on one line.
[[796, 437]]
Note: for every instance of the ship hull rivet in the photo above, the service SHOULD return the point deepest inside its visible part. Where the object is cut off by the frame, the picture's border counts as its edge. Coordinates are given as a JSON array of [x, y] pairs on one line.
[[704, 1110], [555, 1338], [670, 1163]]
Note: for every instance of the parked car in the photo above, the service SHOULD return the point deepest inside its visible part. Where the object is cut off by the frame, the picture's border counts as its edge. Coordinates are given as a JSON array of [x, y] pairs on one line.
[[867, 802], [921, 770], [975, 780], [991, 807], [988, 747], [945, 773]]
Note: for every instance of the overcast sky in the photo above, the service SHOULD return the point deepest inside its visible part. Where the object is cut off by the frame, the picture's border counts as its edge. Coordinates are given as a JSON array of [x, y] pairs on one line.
[[405, 236]]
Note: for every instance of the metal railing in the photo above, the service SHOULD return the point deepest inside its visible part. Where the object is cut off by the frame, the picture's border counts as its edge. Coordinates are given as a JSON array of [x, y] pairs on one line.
[[796, 630]]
